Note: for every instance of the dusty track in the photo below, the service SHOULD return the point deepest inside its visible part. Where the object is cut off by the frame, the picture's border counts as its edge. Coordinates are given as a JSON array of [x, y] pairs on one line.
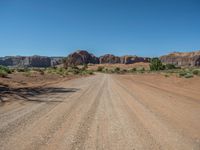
[[109, 112]]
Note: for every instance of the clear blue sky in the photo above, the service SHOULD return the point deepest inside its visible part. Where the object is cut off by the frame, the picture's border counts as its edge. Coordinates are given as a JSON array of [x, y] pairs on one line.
[[58, 27]]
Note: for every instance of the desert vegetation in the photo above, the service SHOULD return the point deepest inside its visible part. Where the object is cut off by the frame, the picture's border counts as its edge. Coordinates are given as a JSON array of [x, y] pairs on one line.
[[4, 71], [155, 66]]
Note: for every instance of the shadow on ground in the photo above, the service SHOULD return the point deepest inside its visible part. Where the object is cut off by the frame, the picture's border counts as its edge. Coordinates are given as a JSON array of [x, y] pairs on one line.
[[27, 93]]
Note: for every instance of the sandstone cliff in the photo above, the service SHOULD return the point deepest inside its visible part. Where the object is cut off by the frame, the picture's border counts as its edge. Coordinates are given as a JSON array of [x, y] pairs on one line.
[[182, 59], [29, 61], [109, 59], [81, 57]]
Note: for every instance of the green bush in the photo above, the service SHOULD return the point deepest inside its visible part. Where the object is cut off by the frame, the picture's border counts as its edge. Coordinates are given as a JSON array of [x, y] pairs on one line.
[[117, 69], [156, 64], [133, 70], [170, 66], [196, 72], [166, 75], [6, 69], [188, 75], [100, 68], [87, 72], [3, 73], [23, 69], [182, 73]]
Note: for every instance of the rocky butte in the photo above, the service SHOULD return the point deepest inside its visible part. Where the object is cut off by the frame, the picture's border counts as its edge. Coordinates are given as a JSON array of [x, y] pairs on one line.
[[81, 57], [182, 59]]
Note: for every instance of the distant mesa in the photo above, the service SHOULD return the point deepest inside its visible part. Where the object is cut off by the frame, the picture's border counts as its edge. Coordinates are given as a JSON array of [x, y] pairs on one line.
[[182, 59], [30, 61], [81, 57]]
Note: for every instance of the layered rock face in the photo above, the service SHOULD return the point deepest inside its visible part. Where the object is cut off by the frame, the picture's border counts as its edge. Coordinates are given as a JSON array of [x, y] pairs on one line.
[[182, 59], [109, 59], [132, 59], [22, 61], [81, 57]]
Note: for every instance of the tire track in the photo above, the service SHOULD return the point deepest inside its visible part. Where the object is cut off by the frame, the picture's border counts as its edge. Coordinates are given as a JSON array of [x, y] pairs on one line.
[[87, 120]]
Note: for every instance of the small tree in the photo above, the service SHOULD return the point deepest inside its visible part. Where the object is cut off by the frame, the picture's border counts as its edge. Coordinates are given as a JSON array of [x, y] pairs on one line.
[[156, 64]]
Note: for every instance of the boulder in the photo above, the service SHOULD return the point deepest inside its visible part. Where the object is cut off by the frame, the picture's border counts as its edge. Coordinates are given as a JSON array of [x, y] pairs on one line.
[[182, 59]]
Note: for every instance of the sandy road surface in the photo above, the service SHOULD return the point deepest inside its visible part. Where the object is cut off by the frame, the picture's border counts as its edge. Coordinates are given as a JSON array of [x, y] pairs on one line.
[[110, 112]]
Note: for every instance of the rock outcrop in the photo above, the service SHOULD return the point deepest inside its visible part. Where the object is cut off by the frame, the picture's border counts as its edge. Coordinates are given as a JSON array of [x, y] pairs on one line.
[[133, 59], [28, 61], [109, 59], [81, 57], [182, 59]]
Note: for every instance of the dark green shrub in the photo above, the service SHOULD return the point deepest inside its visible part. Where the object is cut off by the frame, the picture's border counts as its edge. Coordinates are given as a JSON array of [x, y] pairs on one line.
[[196, 72], [133, 70], [182, 73], [100, 68], [166, 75], [23, 69], [170, 66], [117, 69], [6, 69], [156, 64], [3, 73], [188, 75]]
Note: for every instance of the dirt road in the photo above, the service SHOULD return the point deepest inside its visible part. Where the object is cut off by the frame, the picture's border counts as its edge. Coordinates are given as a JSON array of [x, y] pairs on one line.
[[111, 112]]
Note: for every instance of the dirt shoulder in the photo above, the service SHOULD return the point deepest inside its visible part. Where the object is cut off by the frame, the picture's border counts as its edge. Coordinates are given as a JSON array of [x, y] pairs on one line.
[[19, 85]]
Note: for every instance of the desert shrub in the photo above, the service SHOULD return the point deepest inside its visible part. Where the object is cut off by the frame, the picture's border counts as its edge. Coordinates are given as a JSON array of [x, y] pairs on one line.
[[105, 70], [196, 72], [156, 64], [188, 75], [41, 72], [6, 69], [85, 67], [124, 70], [141, 70], [170, 66], [87, 72], [76, 71], [22, 69], [100, 68], [27, 73], [166, 75], [117, 69], [182, 73], [133, 70], [3, 73]]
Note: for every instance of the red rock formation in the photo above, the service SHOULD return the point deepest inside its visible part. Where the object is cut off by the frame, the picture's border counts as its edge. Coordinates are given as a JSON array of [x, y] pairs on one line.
[[182, 59]]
